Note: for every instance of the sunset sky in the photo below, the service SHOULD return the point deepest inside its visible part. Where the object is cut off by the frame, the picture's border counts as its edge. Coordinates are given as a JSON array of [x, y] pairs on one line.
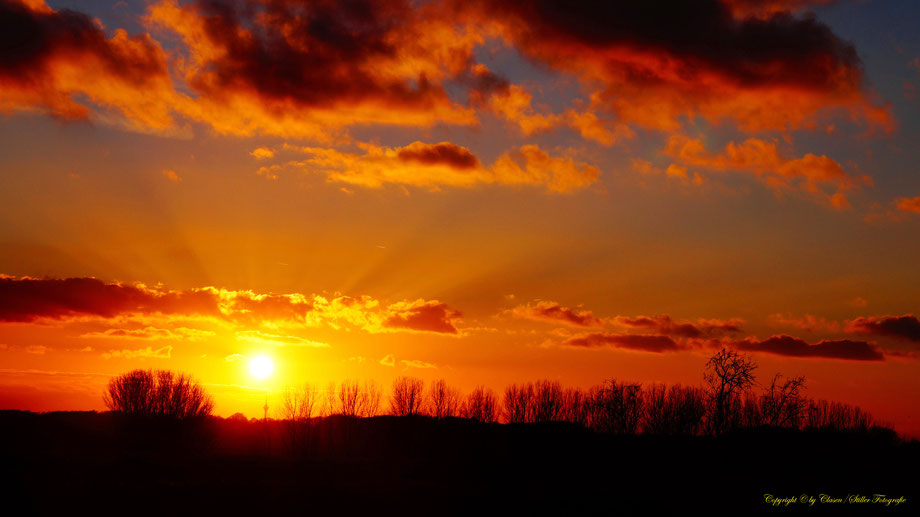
[[485, 192]]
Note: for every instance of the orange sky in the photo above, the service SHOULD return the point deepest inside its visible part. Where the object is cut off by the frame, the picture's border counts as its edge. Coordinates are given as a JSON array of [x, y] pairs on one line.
[[474, 191]]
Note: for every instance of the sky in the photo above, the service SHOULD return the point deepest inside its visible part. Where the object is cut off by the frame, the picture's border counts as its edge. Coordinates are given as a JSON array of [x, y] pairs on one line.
[[485, 192]]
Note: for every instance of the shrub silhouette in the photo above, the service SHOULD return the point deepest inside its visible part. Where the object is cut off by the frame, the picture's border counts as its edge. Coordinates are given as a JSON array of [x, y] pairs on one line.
[[157, 393]]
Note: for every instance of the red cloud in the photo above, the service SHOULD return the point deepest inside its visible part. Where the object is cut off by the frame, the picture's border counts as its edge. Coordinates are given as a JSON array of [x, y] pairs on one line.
[[423, 316], [29, 299], [906, 204], [443, 153], [643, 343], [553, 312], [796, 347], [663, 324], [904, 327]]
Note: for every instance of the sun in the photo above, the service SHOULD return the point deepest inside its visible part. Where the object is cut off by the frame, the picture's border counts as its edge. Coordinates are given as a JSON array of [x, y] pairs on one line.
[[261, 367]]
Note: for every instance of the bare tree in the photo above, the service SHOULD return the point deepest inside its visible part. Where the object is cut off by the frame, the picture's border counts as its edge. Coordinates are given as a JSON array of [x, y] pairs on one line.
[[298, 406], [548, 401], [675, 410], [783, 404], [518, 403], [616, 407], [836, 416], [157, 393], [349, 398], [481, 405], [407, 396], [443, 400], [574, 406], [728, 375], [370, 400]]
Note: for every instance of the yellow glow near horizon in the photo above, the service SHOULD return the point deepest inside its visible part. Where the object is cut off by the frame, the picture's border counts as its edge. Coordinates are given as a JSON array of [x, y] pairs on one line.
[[261, 367]]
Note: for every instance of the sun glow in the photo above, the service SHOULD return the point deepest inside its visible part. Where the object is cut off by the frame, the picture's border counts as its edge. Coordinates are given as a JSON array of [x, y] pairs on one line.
[[261, 367]]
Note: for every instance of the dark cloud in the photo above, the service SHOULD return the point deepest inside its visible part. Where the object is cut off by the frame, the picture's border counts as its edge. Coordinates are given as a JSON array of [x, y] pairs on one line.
[[904, 327], [423, 316], [665, 325], [658, 60], [644, 343], [796, 347], [444, 153], [30, 299], [47, 56]]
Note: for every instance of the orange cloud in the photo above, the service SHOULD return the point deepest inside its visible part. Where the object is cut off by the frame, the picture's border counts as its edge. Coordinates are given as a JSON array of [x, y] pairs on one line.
[[53, 58], [160, 353], [552, 312], [308, 70], [31, 300], [653, 68], [442, 164], [515, 104], [762, 158]]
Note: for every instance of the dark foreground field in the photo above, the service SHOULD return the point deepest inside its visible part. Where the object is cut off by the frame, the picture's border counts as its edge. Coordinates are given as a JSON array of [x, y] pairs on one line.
[[73, 463]]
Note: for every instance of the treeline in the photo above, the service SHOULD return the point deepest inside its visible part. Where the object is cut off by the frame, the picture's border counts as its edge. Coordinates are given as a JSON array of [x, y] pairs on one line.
[[612, 407], [730, 399]]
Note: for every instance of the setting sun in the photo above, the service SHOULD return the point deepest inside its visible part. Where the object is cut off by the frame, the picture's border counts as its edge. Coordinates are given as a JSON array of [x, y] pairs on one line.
[[261, 367]]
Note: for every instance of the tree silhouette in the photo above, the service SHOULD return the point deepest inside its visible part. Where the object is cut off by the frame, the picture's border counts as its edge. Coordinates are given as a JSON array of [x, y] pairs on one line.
[[157, 393], [616, 407], [728, 375], [518, 403], [783, 404], [443, 400], [481, 405], [407, 396], [675, 410]]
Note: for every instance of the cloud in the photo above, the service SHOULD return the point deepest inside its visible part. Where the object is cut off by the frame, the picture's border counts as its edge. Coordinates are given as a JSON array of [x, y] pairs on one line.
[[36, 349], [441, 165], [514, 104], [796, 347], [309, 69], [653, 67], [904, 327], [255, 336], [808, 322], [56, 61], [150, 333], [388, 360], [905, 204], [665, 325], [638, 342], [33, 300], [262, 153], [160, 353], [761, 158], [766, 8], [422, 316], [172, 176], [415, 363], [549, 311], [236, 357]]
